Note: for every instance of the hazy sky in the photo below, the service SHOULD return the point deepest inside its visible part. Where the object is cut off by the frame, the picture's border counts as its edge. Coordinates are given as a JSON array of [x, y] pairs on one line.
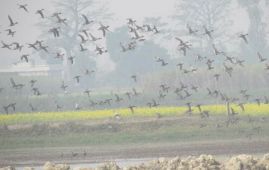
[[27, 32], [142, 8], [122, 9]]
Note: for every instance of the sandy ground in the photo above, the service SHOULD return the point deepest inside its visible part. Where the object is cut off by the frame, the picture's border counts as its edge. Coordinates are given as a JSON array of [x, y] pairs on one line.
[[37, 156]]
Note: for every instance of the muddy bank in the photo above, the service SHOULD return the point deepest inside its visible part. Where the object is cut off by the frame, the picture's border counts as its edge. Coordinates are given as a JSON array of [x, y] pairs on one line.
[[91, 142], [25, 157], [206, 162]]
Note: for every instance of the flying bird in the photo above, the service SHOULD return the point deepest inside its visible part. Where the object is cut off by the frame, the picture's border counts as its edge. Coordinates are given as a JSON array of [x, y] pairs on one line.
[[100, 50], [77, 78], [199, 107], [82, 48], [128, 94], [217, 76], [63, 86], [13, 106], [131, 21], [5, 45], [189, 111], [10, 32], [87, 91], [208, 32], [23, 6], [40, 12], [36, 91], [261, 57], [103, 28], [14, 85], [83, 39], [32, 46], [32, 82], [12, 23], [32, 107], [85, 31], [132, 108], [118, 98], [134, 77], [241, 105], [93, 38], [137, 36], [6, 109], [191, 31], [17, 46], [44, 48], [135, 92], [71, 59], [55, 31], [216, 51], [25, 57], [59, 55], [156, 31], [123, 48], [86, 20], [244, 37], [89, 72]]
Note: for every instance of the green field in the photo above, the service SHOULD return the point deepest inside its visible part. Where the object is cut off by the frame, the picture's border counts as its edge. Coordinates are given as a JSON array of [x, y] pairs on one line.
[[90, 128]]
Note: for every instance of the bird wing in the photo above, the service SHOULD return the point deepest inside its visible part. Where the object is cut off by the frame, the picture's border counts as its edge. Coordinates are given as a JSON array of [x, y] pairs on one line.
[[104, 32], [209, 34], [12, 82], [82, 38], [245, 39], [10, 19], [85, 18], [25, 8], [81, 47], [184, 51], [41, 13], [179, 39]]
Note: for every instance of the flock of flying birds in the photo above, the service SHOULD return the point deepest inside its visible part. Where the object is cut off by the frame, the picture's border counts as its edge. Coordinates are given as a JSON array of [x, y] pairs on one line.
[[139, 33]]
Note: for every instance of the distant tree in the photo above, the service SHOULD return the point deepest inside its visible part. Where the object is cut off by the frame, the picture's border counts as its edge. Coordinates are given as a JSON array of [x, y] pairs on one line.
[[138, 61], [201, 14], [67, 44], [256, 30]]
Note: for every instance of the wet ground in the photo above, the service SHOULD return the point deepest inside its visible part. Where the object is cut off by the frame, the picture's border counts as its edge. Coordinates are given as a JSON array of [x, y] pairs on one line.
[[130, 154], [131, 141]]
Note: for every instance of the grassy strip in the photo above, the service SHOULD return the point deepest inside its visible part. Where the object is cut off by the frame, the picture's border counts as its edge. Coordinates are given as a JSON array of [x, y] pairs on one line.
[[157, 131]]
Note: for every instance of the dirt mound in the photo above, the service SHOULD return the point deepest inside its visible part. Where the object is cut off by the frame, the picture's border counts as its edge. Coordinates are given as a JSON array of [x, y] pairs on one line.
[[8, 168], [51, 166], [28, 168], [248, 162], [109, 166], [203, 162], [264, 162]]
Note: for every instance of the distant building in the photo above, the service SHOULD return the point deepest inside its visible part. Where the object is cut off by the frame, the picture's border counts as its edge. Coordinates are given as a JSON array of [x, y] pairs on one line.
[[26, 69]]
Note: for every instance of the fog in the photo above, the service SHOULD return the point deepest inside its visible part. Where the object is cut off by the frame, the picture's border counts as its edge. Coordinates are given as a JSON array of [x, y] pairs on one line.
[[112, 71]]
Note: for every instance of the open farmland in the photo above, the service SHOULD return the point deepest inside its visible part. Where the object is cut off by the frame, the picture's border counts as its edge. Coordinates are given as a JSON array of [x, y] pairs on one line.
[[45, 117], [92, 81], [171, 132]]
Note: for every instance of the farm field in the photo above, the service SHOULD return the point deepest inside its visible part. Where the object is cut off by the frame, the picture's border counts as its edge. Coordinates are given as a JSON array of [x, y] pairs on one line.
[[43, 117], [145, 133], [94, 81]]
